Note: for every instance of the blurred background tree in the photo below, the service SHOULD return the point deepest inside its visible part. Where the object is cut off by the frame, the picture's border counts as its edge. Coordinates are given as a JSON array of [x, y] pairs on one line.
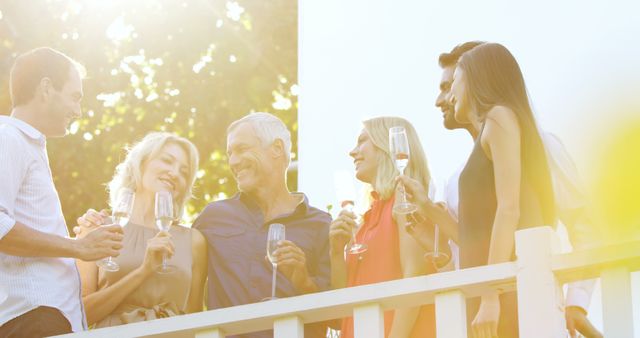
[[189, 67]]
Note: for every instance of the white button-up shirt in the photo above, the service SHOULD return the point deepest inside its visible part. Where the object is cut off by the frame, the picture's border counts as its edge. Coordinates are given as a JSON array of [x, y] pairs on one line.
[[28, 196]]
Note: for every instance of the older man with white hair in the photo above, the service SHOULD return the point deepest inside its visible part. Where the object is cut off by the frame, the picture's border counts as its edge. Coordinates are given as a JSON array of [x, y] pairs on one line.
[[258, 150]]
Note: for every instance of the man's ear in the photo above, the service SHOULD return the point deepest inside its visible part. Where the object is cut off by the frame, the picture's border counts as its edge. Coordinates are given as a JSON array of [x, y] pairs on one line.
[[45, 89], [277, 148]]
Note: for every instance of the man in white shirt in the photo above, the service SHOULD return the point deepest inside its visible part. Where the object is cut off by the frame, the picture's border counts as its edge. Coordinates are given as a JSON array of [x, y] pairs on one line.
[[39, 282], [570, 201]]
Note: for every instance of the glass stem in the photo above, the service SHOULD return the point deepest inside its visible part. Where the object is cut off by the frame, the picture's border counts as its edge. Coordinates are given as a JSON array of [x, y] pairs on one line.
[[273, 282], [436, 241], [403, 195], [354, 230]]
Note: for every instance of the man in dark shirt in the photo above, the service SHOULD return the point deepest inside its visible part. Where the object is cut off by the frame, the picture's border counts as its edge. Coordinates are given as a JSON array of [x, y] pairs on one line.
[[258, 148]]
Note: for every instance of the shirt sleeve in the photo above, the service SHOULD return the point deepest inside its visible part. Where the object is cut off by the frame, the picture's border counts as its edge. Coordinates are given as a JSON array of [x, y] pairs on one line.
[[579, 294], [13, 164], [571, 201], [451, 194]]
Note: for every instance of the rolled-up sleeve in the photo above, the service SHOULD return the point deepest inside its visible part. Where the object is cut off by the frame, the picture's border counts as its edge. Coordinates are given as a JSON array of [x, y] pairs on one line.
[[579, 294], [13, 165]]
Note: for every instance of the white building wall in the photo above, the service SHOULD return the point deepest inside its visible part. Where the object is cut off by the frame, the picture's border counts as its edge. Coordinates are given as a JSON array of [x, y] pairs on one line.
[[361, 59]]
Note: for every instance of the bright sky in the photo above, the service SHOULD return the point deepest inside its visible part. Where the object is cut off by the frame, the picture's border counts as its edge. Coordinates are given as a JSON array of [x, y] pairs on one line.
[[359, 59]]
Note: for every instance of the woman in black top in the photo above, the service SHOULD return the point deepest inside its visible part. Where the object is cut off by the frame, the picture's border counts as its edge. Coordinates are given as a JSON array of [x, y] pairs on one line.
[[505, 185]]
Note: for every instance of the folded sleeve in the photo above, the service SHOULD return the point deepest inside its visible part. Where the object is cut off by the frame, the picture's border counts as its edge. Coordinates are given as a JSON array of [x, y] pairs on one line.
[[579, 294], [13, 164]]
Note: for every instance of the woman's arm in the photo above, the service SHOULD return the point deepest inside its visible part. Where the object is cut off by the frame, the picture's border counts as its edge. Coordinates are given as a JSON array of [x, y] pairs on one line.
[[412, 264], [501, 141], [198, 271], [501, 138], [339, 235], [99, 304]]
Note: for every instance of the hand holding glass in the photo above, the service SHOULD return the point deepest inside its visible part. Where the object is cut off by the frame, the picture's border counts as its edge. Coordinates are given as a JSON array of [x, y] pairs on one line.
[[355, 248], [346, 195], [276, 234], [399, 148], [120, 214], [164, 219]]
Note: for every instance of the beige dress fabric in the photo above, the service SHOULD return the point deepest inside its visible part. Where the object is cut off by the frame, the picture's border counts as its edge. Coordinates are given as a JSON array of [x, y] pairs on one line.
[[160, 295]]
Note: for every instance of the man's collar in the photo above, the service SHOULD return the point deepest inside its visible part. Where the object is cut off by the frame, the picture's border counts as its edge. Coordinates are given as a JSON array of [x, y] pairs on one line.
[[25, 128], [301, 207]]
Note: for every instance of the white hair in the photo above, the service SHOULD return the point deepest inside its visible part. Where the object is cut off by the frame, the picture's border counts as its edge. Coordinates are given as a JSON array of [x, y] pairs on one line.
[[268, 128]]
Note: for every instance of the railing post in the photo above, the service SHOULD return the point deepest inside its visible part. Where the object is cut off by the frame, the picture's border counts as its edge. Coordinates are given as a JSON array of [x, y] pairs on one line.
[[540, 300], [617, 310], [288, 327], [210, 333], [451, 314], [368, 321]]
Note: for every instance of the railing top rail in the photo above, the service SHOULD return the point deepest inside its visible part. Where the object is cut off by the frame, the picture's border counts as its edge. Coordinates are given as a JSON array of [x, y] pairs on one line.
[[326, 305], [393, 294], [587, 264]]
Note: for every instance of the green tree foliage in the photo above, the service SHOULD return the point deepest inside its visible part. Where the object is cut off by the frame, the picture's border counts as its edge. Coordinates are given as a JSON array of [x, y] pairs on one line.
[[189, 67]]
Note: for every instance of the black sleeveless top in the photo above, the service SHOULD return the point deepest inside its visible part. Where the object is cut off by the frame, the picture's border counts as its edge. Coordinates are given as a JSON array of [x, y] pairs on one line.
[[477, 207]]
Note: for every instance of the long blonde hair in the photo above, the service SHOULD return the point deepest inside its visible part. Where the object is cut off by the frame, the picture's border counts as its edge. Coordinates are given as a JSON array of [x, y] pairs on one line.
[[129, 173], [384, 182]]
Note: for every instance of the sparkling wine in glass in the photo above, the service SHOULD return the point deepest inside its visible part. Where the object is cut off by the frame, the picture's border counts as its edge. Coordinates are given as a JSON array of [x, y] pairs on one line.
[[164, 219], [346, 194], [399, 148], [120, 213], [276, 234]]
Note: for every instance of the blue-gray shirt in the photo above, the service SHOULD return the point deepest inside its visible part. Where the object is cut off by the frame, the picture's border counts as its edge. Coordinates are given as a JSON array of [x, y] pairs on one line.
[[236, 234]]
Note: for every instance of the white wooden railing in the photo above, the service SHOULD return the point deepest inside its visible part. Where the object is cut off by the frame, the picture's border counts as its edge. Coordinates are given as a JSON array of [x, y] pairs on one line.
[[537, 276]]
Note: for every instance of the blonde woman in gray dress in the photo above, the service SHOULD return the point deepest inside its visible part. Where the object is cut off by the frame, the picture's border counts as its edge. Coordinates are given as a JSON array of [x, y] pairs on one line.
[[135, 292]]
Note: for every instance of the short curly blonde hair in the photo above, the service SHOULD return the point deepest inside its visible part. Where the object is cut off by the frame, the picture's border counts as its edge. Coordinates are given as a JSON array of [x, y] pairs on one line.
[[129, 173]]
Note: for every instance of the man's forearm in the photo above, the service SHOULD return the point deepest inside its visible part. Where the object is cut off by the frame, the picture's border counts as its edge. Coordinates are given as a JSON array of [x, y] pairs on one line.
[[27, 242]]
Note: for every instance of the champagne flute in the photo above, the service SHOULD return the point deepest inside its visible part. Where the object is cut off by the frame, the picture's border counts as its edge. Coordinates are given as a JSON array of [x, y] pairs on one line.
[[164, 218], [355, 248], [120, 214], [276, 234], [346, 193], [438, 258], [399, 148]]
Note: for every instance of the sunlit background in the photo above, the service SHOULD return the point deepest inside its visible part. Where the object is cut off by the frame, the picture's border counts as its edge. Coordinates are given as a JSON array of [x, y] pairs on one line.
[[189, 67], [581, 63], [192, 67]]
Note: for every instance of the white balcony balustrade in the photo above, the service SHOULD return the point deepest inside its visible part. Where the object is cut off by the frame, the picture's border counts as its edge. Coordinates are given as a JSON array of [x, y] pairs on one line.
[[536, 275]]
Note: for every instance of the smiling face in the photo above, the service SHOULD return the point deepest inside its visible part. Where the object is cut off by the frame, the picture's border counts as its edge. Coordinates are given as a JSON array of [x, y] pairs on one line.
[[62, 106], [365, 158], [167, 171], [251, 162], [459, 97], [443, 100]]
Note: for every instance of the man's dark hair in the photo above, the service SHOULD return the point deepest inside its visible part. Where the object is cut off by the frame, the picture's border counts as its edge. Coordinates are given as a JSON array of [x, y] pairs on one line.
[[31, 67], [451, 58]]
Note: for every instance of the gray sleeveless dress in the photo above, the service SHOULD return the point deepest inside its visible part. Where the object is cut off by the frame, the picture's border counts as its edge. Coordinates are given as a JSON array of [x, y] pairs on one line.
[[477, 212], [160, 295]]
